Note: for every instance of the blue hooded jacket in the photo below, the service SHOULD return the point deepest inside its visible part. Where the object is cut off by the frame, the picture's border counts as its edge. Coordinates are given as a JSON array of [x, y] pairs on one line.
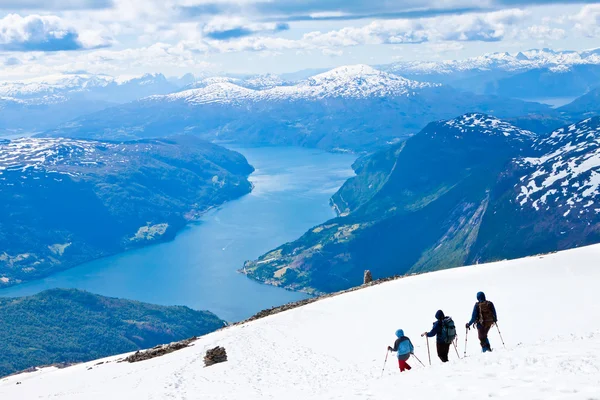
[[475, 314], [403, 345], [437, 326]]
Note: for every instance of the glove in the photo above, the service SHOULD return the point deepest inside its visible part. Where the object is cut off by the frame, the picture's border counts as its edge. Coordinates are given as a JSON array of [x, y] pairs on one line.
[[468, 326], [389, 348], [424, 334]]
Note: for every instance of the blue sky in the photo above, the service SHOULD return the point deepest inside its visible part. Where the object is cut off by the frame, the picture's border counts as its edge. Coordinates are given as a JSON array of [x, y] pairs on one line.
[[127, 37]]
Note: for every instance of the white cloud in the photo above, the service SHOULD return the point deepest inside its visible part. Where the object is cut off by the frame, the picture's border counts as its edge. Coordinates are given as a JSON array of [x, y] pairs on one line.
[[44, 33], [587, 21]]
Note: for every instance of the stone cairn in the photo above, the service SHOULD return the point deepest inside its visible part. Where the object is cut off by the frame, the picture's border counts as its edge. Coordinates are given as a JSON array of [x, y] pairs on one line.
[[215, 356], [368, 277]]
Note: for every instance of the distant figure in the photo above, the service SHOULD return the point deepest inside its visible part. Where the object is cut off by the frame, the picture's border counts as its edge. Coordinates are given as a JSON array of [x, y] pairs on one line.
[[484, 317], [443, 341], [404, 347], [368, 278]]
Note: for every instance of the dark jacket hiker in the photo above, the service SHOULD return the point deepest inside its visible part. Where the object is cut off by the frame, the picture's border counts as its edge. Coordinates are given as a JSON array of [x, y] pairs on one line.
[[484, 317], [442, 342], [404, 347]]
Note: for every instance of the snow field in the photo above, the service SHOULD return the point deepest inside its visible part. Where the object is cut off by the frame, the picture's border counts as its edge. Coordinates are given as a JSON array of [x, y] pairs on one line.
[[547, 308]]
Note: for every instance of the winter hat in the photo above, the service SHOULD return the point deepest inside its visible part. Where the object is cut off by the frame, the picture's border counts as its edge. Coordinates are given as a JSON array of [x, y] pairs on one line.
[[440, 314], [399, 333], [481, 296]]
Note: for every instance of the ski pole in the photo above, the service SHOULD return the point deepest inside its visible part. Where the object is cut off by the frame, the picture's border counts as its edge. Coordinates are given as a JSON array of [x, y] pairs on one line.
[[417, 359], [386, 356], [428, 353], [466, 336], [499, 333], [456, 348]]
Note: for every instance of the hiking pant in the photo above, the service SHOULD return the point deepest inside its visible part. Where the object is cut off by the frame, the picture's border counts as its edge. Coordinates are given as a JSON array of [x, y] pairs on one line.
[[482, 333], [403, 365], [443, 349]]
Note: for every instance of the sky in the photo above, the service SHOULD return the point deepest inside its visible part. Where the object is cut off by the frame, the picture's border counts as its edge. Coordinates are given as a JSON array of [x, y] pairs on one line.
[[174, 37]]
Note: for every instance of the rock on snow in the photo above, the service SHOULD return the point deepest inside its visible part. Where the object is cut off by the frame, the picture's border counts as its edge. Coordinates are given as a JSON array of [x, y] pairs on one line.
[[334, 349]]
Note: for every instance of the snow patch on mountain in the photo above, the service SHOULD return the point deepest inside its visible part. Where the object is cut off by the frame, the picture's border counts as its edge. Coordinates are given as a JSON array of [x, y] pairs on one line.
[[567, 175], [488, 125], [58, 155], [335, 348]]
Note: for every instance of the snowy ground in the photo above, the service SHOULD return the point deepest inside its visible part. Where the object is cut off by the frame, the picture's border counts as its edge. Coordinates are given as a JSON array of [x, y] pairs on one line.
[[548, 311]]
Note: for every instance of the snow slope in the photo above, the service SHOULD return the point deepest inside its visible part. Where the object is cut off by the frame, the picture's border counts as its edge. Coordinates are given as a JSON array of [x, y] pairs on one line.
[[333, 349]]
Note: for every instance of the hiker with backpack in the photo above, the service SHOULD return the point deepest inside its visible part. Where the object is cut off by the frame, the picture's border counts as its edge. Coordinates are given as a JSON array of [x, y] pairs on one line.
[[483, 317], [405, 348], [445, 333]]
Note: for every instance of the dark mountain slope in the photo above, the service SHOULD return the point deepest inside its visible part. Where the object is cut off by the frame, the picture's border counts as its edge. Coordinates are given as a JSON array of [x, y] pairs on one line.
[[424, 215], [61, 325]]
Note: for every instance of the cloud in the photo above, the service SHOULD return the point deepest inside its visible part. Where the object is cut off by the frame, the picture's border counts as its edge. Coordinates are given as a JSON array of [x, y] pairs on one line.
[[315, 10], [54, 4], [221, 28], [485, 27], [12, 61], [587, 21], [44, 33]]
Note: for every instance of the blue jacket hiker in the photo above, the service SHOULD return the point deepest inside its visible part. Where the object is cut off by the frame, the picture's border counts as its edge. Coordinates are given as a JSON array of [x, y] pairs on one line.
[[483, 317], [404, 347], [442, 347]]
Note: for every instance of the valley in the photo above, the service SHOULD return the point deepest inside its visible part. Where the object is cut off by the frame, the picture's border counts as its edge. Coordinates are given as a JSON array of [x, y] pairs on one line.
[[198, 267]]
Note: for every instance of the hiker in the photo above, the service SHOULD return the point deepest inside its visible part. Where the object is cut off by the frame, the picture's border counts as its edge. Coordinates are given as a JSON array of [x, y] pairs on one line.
[[445, 332], [484, 317], [405, 348]]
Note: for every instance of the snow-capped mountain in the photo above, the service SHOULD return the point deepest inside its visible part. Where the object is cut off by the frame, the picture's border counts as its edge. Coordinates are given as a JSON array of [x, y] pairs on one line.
[[254, 82], [102, 87], [335, 348], [54, 190], [45, 102], [519, 62], [347, 108], [534, 74], [356, 81]]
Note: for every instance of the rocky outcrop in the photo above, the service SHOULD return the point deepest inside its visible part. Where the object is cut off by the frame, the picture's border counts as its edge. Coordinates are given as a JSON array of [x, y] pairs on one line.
[[159, 350], [368, 277], [215, 356]]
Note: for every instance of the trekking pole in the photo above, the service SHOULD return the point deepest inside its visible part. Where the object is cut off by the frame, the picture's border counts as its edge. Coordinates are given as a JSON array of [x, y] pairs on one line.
[[418, 359], [466, 336], [456, 348], [500, 334], [428, 353], [386, 356]]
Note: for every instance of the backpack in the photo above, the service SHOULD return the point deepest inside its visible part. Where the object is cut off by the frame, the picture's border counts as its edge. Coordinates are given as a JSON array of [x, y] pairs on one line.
[[485, 312], [405, 347], [448, 330]]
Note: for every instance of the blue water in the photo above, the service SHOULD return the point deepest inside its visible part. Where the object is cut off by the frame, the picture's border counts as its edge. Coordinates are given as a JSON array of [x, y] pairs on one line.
[[198, 268]]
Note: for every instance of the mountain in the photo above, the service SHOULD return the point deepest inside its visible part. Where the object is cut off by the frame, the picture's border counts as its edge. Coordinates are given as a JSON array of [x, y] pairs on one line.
[[585, 106], [547, 201], [68, 201], [60, 325], [533, 74], [45, 102], [473, 189], [559, 81], [353, 108], [334, 348], [415, 206]]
